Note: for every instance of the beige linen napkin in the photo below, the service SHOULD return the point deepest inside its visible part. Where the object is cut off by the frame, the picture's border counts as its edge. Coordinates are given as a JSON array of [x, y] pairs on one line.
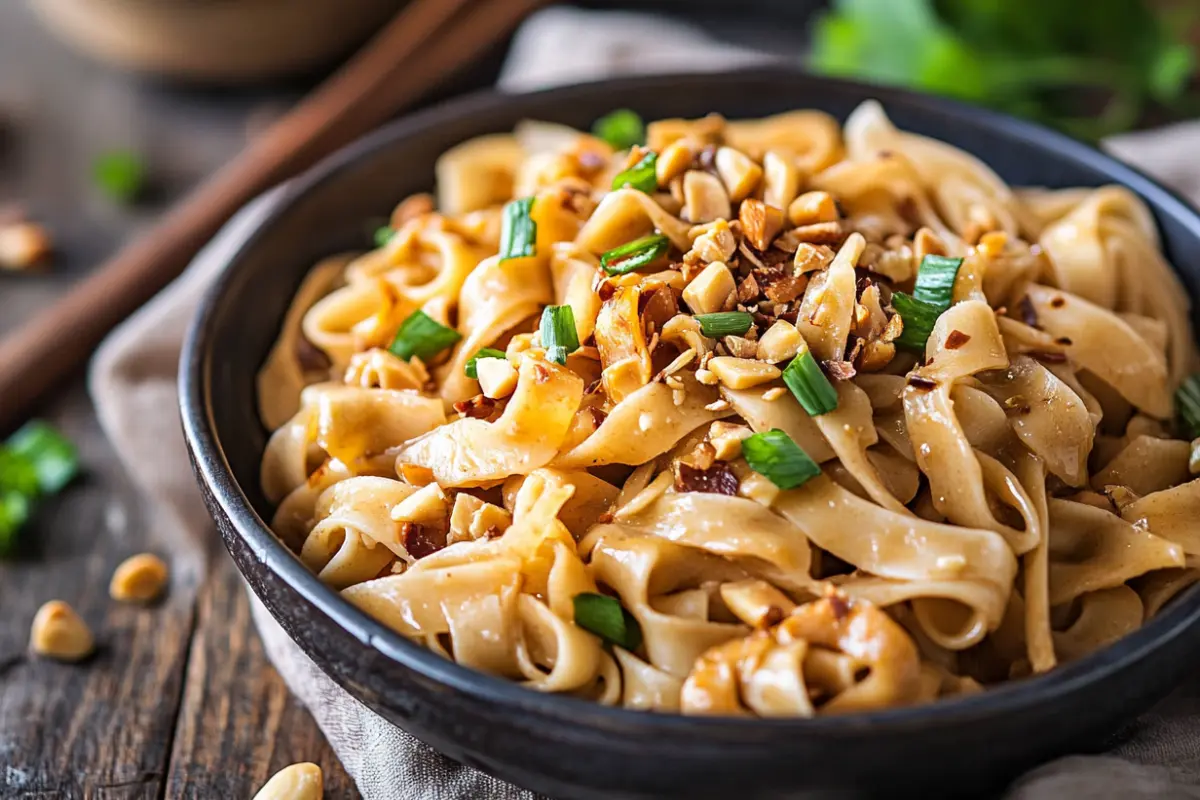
[[133, 384]]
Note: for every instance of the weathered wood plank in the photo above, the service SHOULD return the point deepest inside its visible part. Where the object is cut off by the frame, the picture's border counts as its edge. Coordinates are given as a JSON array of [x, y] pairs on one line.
[[101, 728], [238, 723]]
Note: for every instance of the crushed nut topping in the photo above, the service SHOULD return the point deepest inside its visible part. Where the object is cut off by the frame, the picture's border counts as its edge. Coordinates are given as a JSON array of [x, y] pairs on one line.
[[716, 479], [421, 540], [477, 407]]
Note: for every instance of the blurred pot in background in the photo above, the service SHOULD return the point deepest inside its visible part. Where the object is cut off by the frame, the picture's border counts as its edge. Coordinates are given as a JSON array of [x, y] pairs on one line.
[[216, 40]]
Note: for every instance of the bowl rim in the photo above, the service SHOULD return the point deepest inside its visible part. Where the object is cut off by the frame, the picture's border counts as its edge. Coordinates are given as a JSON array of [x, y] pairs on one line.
[[213, 470]]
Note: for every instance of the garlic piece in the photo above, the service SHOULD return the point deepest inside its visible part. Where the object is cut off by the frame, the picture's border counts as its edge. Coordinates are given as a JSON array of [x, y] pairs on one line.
[[296, 782], [742, 373], [709, 290]]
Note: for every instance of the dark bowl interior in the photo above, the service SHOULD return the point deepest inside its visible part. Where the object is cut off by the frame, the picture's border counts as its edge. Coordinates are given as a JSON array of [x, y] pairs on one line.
[[566, 747]]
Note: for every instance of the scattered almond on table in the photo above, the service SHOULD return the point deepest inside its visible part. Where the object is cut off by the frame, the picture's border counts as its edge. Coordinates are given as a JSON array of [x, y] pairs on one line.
[[59, 633], [23, 245], [139, 579], [296, 782]]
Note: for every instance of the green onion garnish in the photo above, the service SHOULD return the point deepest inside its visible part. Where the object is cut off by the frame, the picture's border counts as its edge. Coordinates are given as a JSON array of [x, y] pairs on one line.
[[518, 232], [51, 456], [1187, 399], [15, 510], [383, 235], [120, 174], [622, 129], [725, 323], [635, 255], [809, 384], [422, 336], [776, 457], [487, 352], [36, 461], [919, 318], [935, 280], [640, 176], [558, 334], [608, 619]]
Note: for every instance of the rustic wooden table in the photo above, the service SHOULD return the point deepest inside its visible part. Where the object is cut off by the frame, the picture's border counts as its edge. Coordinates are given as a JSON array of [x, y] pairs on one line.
[[180, 700]]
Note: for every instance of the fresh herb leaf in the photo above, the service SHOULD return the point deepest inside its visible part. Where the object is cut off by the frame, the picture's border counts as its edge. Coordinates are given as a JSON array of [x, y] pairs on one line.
[[15, 510], [635, 255], [1187, 402], [422, 336], [558, 334], [608, 619], [809, 385], [383, 235], [725, 323], [935, 280], [919, 318], [640, 176], [518, 231], [120, 174], [52, 457], [487, 352], [622, 129], [780, 460]]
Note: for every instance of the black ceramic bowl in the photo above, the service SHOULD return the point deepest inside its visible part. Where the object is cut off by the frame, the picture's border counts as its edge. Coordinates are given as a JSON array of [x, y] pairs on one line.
[[570, 748]]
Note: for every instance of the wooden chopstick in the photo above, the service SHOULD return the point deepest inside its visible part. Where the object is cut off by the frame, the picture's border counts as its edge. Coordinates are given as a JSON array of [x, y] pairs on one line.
[[421, 46]]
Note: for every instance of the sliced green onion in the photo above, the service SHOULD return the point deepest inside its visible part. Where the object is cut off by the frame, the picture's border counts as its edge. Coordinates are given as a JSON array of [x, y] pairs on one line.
[[640, 176], [383, 235], [776, 457], [422, 336], [120, 174], [635, 255], [919, 318], [935, 280], [15, 510], [487, 352], [558, 333], [608, 619], [52, 457], [518, 231], [622, 129], [725, 323], [809, 384], [1187, 399]]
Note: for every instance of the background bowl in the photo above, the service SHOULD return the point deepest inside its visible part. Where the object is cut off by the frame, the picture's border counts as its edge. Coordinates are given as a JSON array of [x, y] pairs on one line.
[[570, 748]]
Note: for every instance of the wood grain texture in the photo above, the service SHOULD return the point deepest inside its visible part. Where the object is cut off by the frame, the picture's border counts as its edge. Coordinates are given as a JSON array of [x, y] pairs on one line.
[[106, 728], [238, 724]]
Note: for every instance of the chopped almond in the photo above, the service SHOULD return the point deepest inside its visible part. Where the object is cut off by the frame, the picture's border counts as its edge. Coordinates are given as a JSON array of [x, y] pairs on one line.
[[812, 257], [675, 159], [742, 373], [811, 208], [709, 290], [781, 342], [761, 223], [739, 174], [704, 197], [497, 377], [781, 180]]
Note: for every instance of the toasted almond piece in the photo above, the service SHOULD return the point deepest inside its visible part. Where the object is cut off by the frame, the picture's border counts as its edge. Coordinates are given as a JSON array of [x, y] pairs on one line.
[[427, 504], [739, 174], [59, 633], [781, 179], [497, 377], [675, 159], [709, 290], [716, 243], [811, 208], [781, 342], [296, 782], [23, 245], [761, 223], [740, 346], [139, 578], [704, 197], [756, 602], [726, 439], [742, 373]]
